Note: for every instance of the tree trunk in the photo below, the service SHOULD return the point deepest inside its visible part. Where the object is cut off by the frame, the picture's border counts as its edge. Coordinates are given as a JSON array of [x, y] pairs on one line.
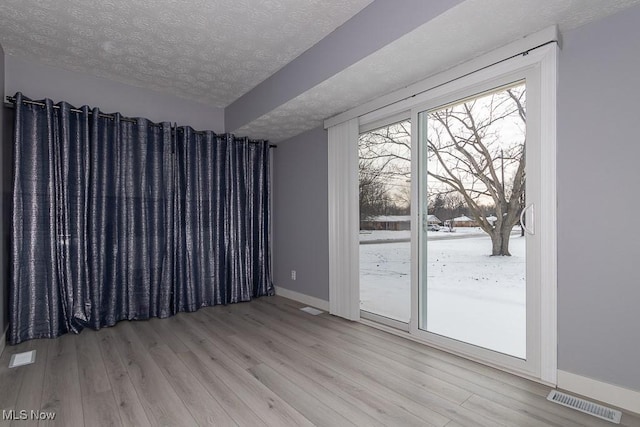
[[506, 235], [500, 241]]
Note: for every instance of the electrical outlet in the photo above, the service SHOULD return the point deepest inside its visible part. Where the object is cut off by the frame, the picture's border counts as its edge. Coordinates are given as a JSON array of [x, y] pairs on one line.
[[293, 275]]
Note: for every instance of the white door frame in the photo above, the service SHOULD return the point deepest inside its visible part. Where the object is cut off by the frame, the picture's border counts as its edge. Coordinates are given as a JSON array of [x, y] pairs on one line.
[[541, 65], [461, 89]]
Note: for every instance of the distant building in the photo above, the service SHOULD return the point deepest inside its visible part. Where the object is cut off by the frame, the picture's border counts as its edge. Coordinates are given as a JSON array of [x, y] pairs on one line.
[[387, 222], [464, 221], [433, 220], [394, 222]]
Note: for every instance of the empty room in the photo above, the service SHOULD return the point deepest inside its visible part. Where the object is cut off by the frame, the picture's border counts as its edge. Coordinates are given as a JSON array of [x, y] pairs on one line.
[[330, 213]]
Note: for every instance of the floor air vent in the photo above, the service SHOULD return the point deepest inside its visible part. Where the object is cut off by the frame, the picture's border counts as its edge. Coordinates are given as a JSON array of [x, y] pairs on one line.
[[311, 310], [21, 359], [585, 406]]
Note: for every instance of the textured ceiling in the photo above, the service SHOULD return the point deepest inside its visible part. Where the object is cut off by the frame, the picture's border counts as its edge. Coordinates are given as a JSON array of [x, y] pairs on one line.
[[212, 51], [461, 33]]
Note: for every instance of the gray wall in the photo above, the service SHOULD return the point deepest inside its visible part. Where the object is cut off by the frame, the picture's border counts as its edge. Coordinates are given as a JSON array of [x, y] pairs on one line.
[[598, 185], [41, 81], [3, 227], [301, 218]]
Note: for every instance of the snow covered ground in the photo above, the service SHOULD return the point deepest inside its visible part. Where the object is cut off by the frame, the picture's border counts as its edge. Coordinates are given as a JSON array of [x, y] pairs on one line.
[[471, 296]]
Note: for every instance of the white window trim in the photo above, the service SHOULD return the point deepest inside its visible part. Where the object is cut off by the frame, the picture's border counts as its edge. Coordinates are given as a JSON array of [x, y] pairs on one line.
[[537, 362], [545, 58]]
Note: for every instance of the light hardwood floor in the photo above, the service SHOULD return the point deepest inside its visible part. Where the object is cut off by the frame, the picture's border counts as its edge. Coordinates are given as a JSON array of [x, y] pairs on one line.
[[266, 363]]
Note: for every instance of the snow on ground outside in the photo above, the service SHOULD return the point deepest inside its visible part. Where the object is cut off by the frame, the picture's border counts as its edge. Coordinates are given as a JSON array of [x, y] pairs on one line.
[[472, 297], [444, 233]]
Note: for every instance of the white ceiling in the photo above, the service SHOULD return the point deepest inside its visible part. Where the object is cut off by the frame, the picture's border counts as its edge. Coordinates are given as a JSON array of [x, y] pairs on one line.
[[214, 51]]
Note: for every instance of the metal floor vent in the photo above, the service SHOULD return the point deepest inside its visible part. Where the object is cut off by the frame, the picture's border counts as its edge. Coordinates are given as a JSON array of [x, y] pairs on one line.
[[585, 406], [21, 359], [311, 310]]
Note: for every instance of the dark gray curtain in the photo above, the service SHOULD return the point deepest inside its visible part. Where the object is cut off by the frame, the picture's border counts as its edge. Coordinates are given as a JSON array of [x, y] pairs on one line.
[[114, 219], [221, 184]]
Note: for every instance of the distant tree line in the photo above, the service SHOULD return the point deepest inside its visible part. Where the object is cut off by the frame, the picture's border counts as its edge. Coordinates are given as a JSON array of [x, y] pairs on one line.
[[452, 205], [375, 194]]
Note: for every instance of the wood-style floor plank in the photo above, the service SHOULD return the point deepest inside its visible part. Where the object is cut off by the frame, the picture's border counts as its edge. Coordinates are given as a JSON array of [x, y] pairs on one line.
[[267, 405], [397, 371], [304, 402], [373, 402], [242, 414], [508, 396], [516, 393], [266, 363], [61, 390], [428, 405], [290, 365], [156, 327], [204, 409], [362, 375], [33, 379], [98, 401], [411, 370], [161, 403], [385, 403], [366, 407], [418, 400], [129, 407], [355, 329], [506, 416], [510, 390]]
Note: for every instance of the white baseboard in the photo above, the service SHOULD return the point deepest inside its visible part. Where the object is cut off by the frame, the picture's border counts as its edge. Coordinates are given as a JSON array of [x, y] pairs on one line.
[[621, 397], [302, 298]]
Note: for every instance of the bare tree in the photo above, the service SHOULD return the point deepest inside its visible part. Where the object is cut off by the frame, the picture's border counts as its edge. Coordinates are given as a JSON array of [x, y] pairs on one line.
[[476, 160], [374, 195], [477, 148], [384, 169], [446, 205], [389, 148]]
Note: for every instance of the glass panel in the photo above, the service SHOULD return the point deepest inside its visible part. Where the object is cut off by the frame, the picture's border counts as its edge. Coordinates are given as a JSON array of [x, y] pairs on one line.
[[474, 179], [385, 222]]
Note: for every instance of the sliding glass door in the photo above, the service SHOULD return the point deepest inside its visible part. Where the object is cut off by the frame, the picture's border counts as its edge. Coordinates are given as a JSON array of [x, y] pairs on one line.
[[474, 281], [477, 287], [457, 215], [384, 171], [471, 247], [472, 234]]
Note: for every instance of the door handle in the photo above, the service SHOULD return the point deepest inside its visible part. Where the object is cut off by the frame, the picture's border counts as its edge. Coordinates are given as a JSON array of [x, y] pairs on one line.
[[531, 231]]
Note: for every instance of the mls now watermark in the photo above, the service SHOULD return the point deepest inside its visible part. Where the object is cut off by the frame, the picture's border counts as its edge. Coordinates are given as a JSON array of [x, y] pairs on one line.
[[25, 415]]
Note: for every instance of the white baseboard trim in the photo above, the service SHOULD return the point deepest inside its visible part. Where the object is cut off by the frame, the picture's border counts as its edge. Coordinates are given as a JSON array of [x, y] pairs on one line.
[[621, 397], [302, 298], [3, 340]]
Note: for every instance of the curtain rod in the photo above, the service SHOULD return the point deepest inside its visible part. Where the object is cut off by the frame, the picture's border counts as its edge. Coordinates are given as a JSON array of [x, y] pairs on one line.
[[437, 80], [11, 100]]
